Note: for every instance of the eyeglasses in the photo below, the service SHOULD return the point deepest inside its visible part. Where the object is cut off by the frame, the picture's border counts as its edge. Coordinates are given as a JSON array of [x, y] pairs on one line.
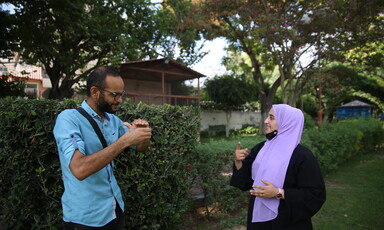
[[116, 95]]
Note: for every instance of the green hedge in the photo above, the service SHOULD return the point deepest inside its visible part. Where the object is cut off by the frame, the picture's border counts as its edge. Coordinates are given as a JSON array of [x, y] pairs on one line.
[[212, 170], [153, 183], [335, 143]]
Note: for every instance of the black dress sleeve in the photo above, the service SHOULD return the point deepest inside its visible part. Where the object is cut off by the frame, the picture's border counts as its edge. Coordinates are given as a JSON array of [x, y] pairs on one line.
[[304, 188], [242, 178]]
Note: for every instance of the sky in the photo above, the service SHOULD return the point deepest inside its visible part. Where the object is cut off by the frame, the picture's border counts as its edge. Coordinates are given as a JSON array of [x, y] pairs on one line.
[[210, 65]]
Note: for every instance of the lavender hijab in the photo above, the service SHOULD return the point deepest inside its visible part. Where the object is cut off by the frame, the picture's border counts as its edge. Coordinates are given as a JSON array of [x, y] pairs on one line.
[[273, 158]]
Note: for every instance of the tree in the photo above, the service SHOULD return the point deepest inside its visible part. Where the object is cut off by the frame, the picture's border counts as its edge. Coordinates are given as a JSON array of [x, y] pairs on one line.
[[179, 34], [281, 32], [347, 82], [239, 64], [358, 73], [368, 60], [368, 57], [11, 88], [229, 93], [5, 38], [341, 84], [64, 37], [70, 38]]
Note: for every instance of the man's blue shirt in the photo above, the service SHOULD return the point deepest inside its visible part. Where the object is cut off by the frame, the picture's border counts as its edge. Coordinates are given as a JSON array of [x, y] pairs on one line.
[[91, 201]]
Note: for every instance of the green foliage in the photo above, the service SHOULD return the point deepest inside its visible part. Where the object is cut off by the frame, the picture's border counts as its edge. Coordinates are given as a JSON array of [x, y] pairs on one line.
[[229, 92], [180, 88], [154, 183], [367, 57], [250, 130], [310, 105], [66, 36], [157, 181], [279, 33], [335, 143], [238, 63], [211, 172], [368, 61], [341, 84], [11, 88], [5, 46], [179, 34], [309, 123], [30, 175], [344, 78]]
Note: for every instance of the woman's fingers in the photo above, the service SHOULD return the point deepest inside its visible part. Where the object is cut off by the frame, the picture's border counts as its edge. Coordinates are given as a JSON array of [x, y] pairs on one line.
[[238, 146], [240, 154]]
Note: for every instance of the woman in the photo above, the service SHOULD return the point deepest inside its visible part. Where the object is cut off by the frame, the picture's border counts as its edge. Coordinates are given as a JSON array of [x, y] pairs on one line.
[[284, 178]]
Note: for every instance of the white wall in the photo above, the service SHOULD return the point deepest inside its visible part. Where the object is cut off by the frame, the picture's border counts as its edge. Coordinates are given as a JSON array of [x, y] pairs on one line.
[[236, 121]]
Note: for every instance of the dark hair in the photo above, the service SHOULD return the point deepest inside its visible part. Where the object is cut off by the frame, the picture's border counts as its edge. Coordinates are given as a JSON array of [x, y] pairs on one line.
[[98, 75]]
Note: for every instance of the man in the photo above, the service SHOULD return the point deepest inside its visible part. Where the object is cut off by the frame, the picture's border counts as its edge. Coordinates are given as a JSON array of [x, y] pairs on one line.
[[92, 198]]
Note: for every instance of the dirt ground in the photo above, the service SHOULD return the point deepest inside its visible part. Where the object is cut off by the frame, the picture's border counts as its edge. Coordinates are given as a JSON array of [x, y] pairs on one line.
[[239, 227]]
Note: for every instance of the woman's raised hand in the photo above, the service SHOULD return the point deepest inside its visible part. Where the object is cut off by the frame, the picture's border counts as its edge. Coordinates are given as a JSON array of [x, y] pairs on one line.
[[240, 154]]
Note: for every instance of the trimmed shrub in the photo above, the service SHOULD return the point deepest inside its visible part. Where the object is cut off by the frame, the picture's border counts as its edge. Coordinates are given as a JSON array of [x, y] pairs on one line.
[[249, 130], [30, 178], [335, 143], [154, 183], [309, 123], [211, 172]]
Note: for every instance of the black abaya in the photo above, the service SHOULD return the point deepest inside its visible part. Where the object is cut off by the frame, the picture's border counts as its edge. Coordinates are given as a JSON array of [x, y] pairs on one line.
[[304, 191]]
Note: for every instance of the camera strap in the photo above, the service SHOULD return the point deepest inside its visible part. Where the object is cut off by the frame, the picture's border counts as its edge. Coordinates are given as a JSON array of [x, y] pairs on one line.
[[95, 127]]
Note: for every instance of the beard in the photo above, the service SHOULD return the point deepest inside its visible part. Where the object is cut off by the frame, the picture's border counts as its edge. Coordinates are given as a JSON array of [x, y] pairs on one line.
[[104, 106]]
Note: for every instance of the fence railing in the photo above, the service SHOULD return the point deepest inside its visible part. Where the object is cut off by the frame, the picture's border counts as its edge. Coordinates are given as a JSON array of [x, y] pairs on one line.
[[159, 99]]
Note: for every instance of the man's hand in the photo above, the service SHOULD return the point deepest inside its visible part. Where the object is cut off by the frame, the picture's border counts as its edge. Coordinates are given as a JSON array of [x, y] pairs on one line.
[[139, 134], [140, 123]]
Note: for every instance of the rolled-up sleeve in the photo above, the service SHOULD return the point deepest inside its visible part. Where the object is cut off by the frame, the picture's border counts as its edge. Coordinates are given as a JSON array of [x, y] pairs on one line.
[[68, 136]]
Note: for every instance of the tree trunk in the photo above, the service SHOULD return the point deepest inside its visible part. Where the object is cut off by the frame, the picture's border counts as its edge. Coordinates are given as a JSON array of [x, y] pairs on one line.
[[282, 86], [228, 114], [66, 90], [60, 89], [258, 78], [54, 92], [264, 99], [292, 92]]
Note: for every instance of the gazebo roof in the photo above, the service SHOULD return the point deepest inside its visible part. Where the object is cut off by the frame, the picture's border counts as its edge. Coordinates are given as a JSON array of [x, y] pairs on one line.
[[152, 70], [356, 103]]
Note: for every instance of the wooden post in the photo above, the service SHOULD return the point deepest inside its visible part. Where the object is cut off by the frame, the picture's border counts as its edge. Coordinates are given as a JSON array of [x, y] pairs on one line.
[[319, 109], [198, 91], [163, 85]]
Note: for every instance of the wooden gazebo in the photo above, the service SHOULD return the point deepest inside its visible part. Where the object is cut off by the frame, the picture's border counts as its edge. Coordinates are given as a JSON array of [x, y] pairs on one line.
[[354, 110], [151, 81]]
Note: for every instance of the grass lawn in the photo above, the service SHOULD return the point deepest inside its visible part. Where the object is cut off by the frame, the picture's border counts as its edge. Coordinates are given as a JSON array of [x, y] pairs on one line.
[[354, 196]]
